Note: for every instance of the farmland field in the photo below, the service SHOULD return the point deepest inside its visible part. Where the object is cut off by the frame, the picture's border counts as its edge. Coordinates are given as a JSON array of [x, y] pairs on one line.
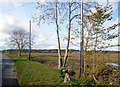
[[109, 57], [104, 73]]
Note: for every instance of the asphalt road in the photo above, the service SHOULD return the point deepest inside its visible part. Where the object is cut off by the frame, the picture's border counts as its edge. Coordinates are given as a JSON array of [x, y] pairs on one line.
[[8, 73]]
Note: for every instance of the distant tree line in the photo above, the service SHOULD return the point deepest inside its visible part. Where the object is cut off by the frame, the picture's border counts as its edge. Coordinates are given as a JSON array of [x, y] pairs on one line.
[[39, 50], [53, 51]]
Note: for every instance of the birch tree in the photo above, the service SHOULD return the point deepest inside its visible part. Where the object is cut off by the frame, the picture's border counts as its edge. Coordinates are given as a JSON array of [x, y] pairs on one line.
[[57, 30], [51, 13]]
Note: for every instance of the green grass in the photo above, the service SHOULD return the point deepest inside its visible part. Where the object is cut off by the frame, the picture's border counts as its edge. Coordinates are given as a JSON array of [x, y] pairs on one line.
[[33, 73], [45, 57]]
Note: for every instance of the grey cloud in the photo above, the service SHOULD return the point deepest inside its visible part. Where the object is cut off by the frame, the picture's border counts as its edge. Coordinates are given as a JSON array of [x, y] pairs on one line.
[[9, 29]]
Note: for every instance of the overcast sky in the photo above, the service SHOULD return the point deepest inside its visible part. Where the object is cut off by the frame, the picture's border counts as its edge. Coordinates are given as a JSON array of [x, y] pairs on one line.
[[15, 14]]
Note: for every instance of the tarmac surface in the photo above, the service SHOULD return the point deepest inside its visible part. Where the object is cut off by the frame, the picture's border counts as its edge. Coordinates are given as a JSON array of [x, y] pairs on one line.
[[8, 75]]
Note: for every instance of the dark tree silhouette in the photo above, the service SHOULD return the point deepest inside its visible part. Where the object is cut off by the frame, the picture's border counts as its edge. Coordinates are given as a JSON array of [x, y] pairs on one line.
[[18, 39]]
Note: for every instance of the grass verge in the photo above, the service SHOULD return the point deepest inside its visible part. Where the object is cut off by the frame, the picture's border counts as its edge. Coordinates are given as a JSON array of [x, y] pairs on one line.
[[33, 73]]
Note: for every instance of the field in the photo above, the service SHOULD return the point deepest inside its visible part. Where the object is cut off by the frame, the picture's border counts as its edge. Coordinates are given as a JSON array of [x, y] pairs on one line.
[[104, 73], [109, 57]]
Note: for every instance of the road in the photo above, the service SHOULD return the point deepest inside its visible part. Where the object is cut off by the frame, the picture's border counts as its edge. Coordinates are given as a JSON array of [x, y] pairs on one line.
[[8, 73]]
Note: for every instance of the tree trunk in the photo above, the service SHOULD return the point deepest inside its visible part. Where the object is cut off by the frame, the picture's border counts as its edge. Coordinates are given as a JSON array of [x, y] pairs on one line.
[[82, 43], [94, 56], [85, 52], [93, 62], [19, 52], [59, 52], [67, 77], [68, 38]]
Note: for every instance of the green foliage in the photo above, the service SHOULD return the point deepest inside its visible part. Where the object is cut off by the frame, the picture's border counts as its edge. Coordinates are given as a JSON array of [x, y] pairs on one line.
[[106, 75], [103, 70], [62, 74], [98, 32], [87, 79]]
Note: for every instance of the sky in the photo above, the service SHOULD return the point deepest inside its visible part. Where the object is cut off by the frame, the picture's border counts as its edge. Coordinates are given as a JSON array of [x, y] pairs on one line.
[[15, 14]]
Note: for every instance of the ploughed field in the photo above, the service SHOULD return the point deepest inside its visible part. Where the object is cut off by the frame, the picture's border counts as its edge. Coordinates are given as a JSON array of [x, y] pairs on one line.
[[75, 56]]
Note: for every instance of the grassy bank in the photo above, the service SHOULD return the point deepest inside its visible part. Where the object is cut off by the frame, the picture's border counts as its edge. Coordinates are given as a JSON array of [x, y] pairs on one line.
[[33, 73]]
